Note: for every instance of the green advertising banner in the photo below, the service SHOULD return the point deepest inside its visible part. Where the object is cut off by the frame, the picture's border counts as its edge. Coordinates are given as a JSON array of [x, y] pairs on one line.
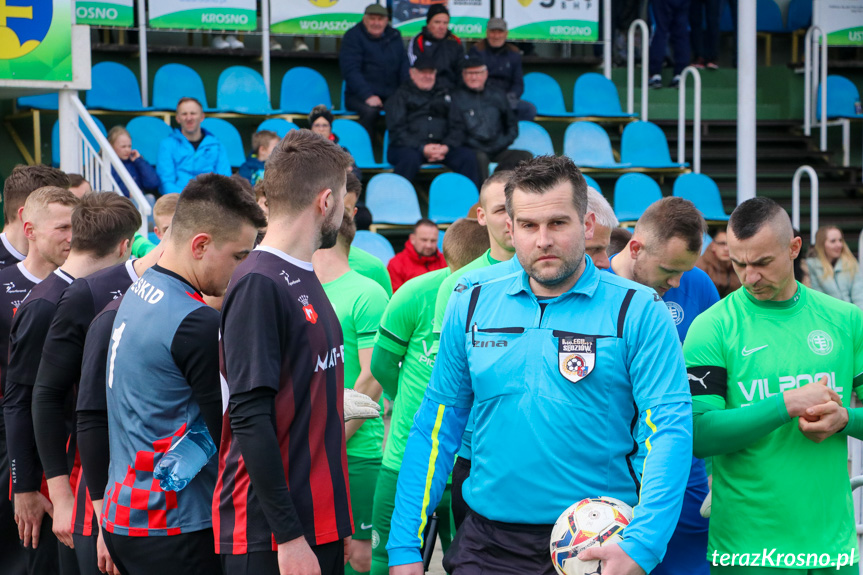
[[204, 14], [36, 40], [841, 21], [105, 13], [468, 18], [552, 20], [316, 17]]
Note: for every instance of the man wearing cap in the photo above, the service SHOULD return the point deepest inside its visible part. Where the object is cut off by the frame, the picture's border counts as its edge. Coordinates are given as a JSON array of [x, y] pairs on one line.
[[422, 129], [504, 67], [373, 64], [444, 47], [488, 120]]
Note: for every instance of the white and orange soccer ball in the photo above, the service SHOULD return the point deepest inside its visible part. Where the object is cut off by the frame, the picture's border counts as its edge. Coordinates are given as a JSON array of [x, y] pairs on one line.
[[590, 522]]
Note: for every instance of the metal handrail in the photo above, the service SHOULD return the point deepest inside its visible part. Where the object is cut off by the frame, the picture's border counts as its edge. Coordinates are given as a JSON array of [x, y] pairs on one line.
[[810, 87], [630, 67], [109, 158], [696, 119], [795, 200]]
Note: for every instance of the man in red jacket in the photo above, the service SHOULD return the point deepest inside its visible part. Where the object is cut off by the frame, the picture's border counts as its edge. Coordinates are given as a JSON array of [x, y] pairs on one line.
[[419, 256]]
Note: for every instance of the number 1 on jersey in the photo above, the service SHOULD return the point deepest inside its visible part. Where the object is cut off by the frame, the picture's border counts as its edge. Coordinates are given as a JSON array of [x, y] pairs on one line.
[[115, 337]]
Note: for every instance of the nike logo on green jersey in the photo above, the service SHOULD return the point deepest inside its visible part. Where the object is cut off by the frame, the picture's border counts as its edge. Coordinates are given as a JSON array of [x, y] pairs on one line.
[[751, 351]]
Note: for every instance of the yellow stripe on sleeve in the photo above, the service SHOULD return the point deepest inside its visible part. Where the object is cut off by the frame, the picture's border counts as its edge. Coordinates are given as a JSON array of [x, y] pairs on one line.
[[647, 443], [430, 471]]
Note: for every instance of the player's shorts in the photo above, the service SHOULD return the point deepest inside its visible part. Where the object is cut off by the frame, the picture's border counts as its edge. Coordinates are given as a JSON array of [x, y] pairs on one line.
[[189, 553], [385, 499], [687, 549], [363, 476], [460, 472], [331, 559]]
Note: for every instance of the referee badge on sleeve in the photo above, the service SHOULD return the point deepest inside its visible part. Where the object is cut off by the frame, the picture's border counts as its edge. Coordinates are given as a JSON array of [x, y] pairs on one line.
[[576, 357]]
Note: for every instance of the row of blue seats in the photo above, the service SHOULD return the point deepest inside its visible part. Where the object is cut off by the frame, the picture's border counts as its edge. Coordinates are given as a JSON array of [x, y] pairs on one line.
[[843, 99]]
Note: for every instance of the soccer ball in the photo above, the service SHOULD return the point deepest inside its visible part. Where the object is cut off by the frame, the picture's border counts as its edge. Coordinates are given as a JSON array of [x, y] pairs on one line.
[[590, 522]]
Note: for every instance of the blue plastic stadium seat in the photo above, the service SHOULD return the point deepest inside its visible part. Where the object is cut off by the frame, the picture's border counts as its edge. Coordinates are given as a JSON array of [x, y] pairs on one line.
[[451, 197], [533, 138], [588, 145], [147, 134], [392, 200], [40, 102], [55, 138], [644, 146], [768, 17], [278, 125], [632, 194], [592, 183], [799, 15], [228, 135], [175, 81], [114, 87], [241, 90], [842, 95], [302, 90], [356, 140], [375, 244], [544, 92], [595, 95], [704, 193]]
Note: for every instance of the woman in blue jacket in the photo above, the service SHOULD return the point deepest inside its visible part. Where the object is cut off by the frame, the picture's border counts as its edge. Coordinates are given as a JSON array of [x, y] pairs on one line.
[[141, 171]]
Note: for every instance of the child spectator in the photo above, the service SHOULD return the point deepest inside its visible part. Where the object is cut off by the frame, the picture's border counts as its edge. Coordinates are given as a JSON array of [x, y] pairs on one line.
[[163, 213], [263, 144], [140, 169]]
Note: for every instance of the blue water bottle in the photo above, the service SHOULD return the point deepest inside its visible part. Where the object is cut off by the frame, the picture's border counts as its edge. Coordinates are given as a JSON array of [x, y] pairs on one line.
[[185, 458]]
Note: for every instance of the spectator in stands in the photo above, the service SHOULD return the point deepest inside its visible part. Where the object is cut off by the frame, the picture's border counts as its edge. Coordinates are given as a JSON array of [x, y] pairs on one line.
[[833, 269], [671, 20], [78, 185], [142, 172], [704, 33], [717, 263], [444, 47], [321, 122], [190, 150], [619, 238], [422, 128], [163, 213], [263, 144], [373, 64], [261, 197], [504, 67], [419, 256], [488, 120], [606, 221]]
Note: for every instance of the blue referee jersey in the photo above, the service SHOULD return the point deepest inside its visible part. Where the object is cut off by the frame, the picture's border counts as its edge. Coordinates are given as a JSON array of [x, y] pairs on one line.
[[557, 387]]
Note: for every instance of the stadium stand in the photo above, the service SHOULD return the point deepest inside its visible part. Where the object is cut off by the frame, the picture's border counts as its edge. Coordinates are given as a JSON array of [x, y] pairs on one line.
[[175, 81], [241, 90], [451, 197]]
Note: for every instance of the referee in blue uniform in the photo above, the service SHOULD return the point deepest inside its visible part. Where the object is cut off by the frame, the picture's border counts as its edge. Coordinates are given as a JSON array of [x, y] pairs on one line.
[[558, 361]]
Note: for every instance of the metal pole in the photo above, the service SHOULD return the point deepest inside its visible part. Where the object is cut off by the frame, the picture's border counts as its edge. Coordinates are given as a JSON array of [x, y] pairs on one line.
[[265, 41], [795, 200], [746, 116], [696, 119], [142, 49], [606, 34], [630, 67], [70, 161]]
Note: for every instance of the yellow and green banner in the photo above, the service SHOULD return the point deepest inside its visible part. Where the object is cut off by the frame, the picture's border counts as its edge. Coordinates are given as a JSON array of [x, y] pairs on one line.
[[315, 17], [468, 18], [105, 13], [204, 14], [36, 40], [552, 20]]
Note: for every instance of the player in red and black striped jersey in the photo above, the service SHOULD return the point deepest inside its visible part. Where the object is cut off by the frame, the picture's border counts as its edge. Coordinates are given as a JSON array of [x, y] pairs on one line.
[[282, 499]]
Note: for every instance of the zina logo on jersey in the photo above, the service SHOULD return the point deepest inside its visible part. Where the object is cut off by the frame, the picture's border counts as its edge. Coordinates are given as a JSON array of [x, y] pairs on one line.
[[759, 389]]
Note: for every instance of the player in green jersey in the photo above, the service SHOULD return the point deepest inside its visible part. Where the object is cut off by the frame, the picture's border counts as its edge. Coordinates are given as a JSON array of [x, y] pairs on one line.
[[362, 261], [771, 369], [359, 304], [405, 337]]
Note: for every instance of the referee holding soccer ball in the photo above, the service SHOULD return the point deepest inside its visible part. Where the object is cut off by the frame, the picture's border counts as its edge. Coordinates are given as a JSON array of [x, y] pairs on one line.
[[559, 361]]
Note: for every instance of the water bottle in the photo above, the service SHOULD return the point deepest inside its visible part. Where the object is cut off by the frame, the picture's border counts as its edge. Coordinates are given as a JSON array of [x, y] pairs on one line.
[[185, 458]]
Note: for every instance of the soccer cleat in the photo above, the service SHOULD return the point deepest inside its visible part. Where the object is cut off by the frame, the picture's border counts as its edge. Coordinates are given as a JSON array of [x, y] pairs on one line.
[[360, 406], [707, 504], [655, 81]]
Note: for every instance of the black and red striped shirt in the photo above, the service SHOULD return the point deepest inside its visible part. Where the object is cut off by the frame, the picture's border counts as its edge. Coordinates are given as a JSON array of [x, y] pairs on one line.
[[282, 349]]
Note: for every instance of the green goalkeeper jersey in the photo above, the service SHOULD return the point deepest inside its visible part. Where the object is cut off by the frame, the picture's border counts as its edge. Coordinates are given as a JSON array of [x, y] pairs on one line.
[[406, 331], [359, 304], [781, 491]]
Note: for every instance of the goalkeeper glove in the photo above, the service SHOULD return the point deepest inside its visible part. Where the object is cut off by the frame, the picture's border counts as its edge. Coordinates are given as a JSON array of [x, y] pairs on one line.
[[360, 406]]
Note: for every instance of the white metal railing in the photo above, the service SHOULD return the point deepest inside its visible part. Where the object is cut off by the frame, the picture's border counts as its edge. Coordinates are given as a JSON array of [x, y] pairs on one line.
[[607, 39], [813, 69], [630, 67], [860, 248], [96, 166], [696, 119], [795, 200]]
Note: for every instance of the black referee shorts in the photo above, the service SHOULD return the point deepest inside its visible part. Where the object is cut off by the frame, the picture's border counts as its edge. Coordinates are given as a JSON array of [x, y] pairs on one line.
[[485, 546], [460, 472], [185, 554], [331, 558]]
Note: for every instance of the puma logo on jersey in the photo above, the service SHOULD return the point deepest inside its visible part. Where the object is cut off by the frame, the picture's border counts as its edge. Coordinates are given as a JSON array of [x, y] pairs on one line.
[[699, 379], [748, 352], [287, 277], [10, 288], [759, 389], [330, 359]]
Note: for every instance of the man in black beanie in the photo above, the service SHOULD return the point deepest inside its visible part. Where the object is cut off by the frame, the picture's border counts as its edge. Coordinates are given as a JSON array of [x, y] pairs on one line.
[[444, 47]]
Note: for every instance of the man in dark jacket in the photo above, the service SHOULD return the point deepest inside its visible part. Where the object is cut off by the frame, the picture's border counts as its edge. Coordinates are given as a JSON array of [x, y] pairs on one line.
[[422, 129], [488, 120], [373, 64], [444, 47], [504, 67]]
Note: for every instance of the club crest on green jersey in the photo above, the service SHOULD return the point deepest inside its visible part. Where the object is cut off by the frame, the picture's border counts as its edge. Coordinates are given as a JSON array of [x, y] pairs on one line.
[[576, 357], [820, 342]]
